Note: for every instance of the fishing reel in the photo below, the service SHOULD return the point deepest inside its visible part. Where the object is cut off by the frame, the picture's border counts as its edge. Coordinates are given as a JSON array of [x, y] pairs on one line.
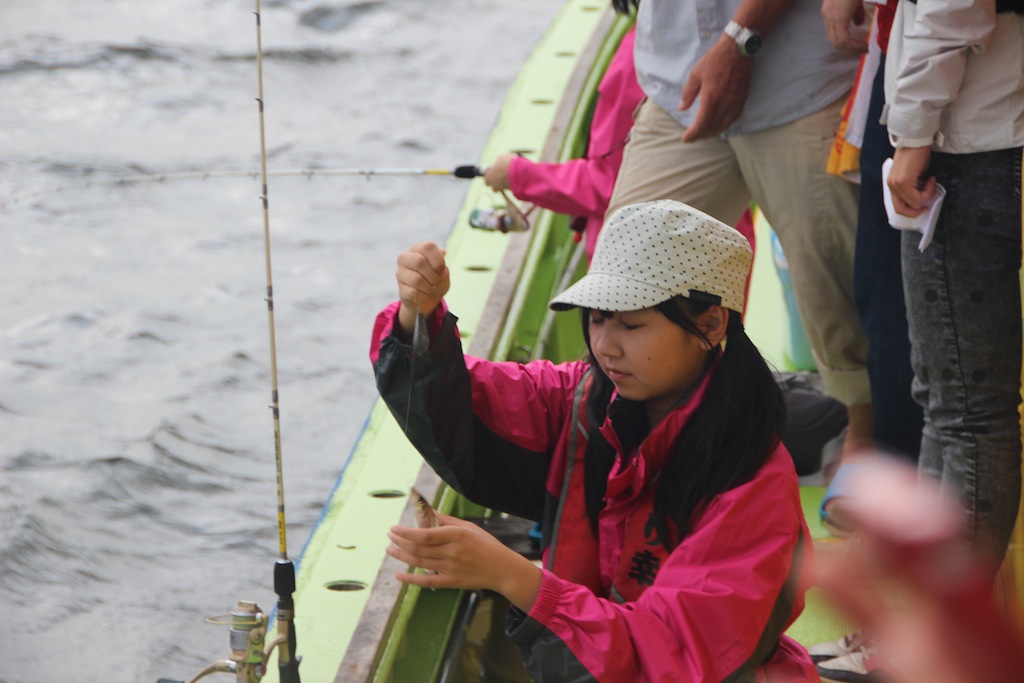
[[248, 632], [510, 219], [496, 220]]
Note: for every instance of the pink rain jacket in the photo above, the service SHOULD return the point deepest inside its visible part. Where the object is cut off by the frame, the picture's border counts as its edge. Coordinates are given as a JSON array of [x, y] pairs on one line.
[[619, 607], [582, 187]]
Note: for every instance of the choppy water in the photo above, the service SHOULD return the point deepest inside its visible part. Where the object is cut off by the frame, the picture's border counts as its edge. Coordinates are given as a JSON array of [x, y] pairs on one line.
[[137, 485]]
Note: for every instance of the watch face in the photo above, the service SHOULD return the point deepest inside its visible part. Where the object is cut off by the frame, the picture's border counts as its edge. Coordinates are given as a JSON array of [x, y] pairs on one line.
[[753, 45]]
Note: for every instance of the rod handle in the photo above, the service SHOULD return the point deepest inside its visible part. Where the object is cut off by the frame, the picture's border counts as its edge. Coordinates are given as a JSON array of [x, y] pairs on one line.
[[467, 171]]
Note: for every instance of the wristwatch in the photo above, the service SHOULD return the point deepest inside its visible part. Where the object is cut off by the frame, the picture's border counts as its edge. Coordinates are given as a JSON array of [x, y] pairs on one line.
[[748, 41]]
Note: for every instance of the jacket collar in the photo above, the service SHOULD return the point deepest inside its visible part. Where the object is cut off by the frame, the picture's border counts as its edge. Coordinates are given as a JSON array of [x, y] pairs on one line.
[[638, 466]]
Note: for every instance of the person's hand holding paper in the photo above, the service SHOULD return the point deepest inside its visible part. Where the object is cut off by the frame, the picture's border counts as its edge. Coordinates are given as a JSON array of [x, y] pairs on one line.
[[900, 202]]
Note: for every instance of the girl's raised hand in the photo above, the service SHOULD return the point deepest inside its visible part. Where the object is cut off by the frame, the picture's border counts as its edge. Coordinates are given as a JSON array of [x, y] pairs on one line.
[[423, 280], [464, 556]]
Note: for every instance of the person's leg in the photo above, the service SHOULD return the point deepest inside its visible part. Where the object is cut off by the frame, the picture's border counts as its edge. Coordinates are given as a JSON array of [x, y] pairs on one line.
[[814, 215], [878, 289], [656, 164], [963, 305]]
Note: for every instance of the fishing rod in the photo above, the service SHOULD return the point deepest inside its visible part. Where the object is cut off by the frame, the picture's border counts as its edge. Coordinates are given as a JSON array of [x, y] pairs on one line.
[[465, 171], [248, 623], [284, 569]]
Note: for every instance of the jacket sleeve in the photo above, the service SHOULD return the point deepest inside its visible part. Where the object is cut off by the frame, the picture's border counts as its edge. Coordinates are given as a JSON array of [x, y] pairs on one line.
[[488, 429], [577, 187], [716, 611], [936, 38], [582, 187]]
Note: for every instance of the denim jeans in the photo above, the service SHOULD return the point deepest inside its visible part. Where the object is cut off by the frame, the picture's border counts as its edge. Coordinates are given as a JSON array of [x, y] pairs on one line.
[[878, 289], [964, 310]]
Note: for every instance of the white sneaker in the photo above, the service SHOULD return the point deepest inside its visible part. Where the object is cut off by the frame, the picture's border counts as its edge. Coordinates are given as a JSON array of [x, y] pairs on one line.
[[862, 666], [848, 644]]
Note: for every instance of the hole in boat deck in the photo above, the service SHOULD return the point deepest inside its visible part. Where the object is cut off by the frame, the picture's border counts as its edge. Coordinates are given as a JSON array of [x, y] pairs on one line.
[[565, 53], [479, 269], [346, 586], [542, 100], [387, 493]]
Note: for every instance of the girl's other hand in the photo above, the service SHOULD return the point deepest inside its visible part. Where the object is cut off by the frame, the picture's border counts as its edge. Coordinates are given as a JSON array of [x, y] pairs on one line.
[[464, 556], [423, 280], [496, 175]]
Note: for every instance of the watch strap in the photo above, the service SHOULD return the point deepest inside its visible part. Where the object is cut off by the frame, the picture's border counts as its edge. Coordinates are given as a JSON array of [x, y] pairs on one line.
[[741, 35]]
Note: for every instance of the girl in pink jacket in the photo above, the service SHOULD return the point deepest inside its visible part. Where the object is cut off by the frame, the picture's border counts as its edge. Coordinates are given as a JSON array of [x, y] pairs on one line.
[[581, 187], [674, 545]]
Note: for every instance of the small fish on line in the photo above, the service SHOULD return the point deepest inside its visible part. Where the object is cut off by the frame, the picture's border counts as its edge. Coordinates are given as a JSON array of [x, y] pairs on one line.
[[426, 517]]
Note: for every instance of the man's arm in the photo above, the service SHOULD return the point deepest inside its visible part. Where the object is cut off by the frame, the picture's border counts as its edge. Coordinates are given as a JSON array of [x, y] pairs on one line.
[[721, 78]]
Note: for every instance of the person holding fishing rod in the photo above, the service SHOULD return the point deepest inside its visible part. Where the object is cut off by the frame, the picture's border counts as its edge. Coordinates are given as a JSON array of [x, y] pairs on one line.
[[674, 544], [581, 187]]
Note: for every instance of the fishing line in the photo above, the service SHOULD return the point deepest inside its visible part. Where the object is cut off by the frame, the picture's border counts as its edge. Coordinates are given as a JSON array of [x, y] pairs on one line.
[[420, 333], [410, 124]]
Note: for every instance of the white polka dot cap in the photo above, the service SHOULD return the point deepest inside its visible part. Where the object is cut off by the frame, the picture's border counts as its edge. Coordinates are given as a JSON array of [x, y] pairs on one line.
[[651, 252]]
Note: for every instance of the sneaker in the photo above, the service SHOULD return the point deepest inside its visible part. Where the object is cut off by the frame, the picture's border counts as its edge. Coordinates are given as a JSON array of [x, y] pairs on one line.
[[862, 666], [848, 644]]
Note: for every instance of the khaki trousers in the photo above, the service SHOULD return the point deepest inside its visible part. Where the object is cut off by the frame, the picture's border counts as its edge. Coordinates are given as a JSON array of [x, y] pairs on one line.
[[813, 213]]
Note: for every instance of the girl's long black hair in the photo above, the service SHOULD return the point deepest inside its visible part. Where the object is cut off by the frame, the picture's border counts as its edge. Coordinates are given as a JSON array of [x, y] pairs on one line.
[[726, 440]]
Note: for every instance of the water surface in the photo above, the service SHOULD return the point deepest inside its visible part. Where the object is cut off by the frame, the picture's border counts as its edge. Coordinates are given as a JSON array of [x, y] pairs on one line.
[[137, 482]]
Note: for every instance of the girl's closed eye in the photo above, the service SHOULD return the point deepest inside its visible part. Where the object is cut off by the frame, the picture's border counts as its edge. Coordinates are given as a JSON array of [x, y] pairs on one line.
[[630, 322]]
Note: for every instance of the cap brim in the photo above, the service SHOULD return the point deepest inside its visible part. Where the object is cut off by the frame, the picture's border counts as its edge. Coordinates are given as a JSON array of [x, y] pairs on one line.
[[609, 292]]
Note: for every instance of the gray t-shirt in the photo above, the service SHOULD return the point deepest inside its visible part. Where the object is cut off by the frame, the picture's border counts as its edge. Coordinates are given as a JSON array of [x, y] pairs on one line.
[[797, 73]]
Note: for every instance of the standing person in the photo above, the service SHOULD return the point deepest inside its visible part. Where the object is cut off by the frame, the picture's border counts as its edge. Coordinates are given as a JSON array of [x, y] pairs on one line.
[[877, 273], [878, 280], [743, 99], [878, 287], [955, 93], [674, 542]]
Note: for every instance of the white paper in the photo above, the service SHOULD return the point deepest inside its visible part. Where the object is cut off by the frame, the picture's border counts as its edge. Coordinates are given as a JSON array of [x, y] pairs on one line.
[[925, 223]]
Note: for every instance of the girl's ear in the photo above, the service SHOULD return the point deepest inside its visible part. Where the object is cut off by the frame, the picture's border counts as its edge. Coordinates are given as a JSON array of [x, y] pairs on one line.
[[713, 323]]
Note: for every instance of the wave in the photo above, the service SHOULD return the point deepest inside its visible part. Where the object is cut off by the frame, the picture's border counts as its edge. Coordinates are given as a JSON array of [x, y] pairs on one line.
[[41, 55], [303, 55], [335, 18], [41, 551], [44, 55]]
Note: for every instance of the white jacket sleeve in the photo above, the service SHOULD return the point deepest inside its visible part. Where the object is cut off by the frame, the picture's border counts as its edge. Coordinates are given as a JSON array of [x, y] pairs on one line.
[[934, 39]]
